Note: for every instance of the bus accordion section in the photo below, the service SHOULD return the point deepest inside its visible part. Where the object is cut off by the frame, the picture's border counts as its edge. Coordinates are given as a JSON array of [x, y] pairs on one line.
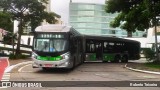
[[111, 49], [57, 46]]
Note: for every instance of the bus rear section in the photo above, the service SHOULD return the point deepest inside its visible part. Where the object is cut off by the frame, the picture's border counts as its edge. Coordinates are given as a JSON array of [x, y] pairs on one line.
[[109, 49]]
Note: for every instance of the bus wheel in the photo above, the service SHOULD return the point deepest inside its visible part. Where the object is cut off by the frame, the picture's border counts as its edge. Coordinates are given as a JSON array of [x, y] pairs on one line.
[[104, 61], [116, 59], [73, 65], [124, 59]]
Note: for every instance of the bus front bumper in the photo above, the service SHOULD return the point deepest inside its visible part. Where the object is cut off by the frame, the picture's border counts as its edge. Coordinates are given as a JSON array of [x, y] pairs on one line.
[[65, 63]]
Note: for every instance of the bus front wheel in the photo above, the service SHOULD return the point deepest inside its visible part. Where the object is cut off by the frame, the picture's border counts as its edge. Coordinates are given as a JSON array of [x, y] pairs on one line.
[[73, 64]]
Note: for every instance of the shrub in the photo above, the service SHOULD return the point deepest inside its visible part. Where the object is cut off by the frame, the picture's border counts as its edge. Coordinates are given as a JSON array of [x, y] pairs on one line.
[[149, 54], [19, 56]]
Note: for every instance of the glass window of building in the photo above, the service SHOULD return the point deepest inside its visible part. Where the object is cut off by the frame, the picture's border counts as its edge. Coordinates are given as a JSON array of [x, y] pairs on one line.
[[92, 19]]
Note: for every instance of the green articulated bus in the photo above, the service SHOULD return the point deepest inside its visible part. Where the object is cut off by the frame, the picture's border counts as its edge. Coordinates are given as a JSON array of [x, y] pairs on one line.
[[60, 46], [111, 49], [57, 46]]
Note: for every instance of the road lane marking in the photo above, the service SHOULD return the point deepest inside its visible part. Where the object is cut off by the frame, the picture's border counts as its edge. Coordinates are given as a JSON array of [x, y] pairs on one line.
[[148, 77], [8, 62], [20, 70], [6, 77], [102, 74], [8, 69]]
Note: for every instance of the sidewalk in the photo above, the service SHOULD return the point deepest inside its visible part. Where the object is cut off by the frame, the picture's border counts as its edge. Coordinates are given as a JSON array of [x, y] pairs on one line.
[[139, 65]]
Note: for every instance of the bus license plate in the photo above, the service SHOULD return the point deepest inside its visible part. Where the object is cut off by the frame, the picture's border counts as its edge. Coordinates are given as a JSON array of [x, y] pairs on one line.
[[48, 65]]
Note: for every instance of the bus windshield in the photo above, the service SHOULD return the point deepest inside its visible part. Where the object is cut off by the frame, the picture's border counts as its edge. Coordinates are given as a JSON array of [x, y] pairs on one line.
[[50, 45]]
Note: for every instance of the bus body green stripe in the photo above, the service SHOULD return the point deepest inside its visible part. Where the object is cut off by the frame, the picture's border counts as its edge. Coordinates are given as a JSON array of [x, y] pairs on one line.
[[108, 57], [49, 58], [92, 57]]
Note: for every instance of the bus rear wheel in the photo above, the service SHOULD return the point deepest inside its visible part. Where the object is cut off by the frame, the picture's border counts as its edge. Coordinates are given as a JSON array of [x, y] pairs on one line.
[[116, 59], [124, 59]]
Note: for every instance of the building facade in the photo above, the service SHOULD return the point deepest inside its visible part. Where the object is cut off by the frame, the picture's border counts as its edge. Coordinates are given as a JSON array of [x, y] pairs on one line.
[[90, 18]]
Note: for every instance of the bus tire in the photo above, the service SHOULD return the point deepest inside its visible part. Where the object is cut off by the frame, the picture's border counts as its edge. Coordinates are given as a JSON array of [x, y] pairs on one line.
[[116, 59], [124, 59], [105, 61], [74, 64]]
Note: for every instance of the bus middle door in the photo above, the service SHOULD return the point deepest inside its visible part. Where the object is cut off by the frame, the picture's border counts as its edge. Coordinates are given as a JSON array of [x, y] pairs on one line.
[[99, 51]]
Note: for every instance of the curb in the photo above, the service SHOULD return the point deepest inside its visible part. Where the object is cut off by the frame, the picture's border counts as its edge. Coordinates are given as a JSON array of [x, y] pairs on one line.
[[143, 71]]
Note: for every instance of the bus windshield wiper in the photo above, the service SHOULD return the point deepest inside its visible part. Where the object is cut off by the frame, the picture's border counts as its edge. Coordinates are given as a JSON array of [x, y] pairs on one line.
[[54, 48]]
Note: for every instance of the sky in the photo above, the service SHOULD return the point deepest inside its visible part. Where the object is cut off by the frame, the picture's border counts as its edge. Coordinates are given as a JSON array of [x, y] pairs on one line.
[[61, 7]]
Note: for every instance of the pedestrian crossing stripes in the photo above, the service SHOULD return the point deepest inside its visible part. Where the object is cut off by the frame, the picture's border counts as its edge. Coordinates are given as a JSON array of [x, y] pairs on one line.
[[6, 77]]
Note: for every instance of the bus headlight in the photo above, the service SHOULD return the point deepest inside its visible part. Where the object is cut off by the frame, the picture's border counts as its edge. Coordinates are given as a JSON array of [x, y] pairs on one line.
[[65, 56], [34, 55]]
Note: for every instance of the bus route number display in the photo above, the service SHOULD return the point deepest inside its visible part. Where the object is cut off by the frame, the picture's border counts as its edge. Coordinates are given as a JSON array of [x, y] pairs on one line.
[[47, 35]]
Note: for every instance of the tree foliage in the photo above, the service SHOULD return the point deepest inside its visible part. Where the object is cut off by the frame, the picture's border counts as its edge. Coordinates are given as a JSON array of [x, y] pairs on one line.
[[26, 11], [6, 21], [133, 14], [48, 17]]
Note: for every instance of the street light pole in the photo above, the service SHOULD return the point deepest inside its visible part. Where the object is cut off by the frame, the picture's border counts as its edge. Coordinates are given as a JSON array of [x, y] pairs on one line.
[[156, 47]]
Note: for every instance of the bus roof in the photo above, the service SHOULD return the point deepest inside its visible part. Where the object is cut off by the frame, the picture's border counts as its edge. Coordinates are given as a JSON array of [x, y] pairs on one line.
[[109, 38], [53, 28]]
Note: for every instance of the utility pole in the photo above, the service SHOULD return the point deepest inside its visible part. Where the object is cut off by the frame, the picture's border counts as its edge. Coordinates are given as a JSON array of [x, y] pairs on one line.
[[156, 47]]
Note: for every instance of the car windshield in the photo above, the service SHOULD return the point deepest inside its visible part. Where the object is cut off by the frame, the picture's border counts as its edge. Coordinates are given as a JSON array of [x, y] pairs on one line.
[[50, 45]]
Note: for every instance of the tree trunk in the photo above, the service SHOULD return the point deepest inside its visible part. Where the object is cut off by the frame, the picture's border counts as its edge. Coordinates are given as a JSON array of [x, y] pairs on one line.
[[20, 29], [13, 44], [129, 34]]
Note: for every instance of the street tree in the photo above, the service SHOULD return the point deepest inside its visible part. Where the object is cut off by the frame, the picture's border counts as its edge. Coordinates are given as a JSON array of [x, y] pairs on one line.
[[26, 11], [38, 19], [6, 21], [134, 14]]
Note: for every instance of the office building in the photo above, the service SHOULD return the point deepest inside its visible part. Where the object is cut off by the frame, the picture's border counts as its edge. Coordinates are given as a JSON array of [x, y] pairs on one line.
[[91, 18]]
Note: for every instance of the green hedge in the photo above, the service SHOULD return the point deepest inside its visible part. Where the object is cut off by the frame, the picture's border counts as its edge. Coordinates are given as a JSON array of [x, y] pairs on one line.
[[19, 56], [149, 54]]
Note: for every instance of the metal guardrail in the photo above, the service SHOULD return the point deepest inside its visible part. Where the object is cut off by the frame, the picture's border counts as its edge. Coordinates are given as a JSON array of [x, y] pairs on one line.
[[22, 45], [23, 48]]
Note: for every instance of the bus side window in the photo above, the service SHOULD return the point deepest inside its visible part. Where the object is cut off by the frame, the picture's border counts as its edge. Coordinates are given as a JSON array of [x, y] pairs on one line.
[[72, 43], [111, 47], [105, 47], [90, 47]]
